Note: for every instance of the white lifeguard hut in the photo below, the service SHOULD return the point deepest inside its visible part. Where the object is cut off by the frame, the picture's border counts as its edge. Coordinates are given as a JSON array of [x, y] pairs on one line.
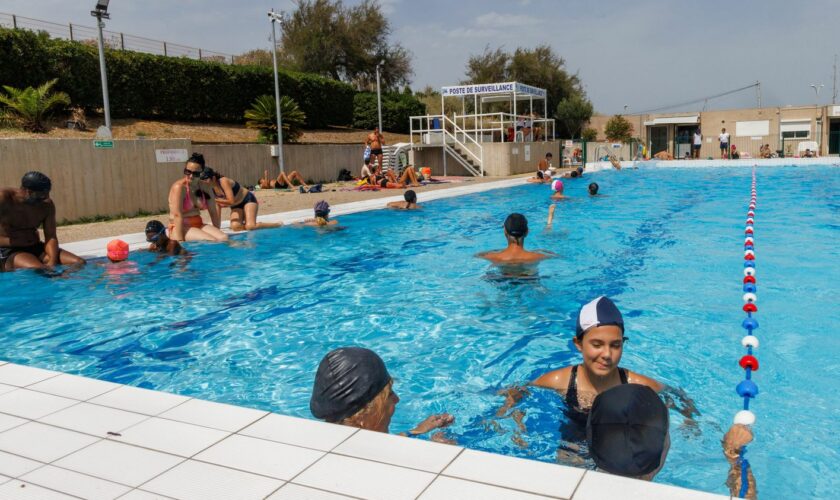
[[470, 138]]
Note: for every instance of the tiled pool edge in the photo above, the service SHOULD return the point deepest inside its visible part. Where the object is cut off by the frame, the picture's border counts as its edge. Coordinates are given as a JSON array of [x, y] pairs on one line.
[[137, 241], [157, 443]]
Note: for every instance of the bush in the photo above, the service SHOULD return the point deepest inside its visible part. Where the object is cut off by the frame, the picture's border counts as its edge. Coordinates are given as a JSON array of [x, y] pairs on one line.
[[262, 115], [29, 107], [618, 129], [589, 134], [160, 87], [396, 110]]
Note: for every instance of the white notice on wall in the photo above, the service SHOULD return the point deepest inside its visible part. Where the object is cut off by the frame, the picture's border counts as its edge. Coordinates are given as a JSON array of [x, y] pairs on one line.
[[171, 155], [514, 151], [527, 153]]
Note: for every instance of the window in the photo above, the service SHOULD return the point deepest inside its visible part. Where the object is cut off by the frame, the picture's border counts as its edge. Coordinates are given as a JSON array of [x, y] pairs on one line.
[[795, 134], [752, 128], [795, 129]]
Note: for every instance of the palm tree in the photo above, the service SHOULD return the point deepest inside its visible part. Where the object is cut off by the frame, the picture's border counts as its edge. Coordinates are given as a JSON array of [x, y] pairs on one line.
[[263, 116], [30, 106]]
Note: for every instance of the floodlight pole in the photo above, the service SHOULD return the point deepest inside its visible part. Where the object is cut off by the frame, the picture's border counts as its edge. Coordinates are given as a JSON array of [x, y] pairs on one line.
[[379, 96], [99, 15], [279, 18]]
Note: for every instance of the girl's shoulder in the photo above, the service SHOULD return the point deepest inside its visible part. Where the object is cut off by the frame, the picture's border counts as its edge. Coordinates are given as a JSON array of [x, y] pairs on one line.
[[638, 378], [555, 379]]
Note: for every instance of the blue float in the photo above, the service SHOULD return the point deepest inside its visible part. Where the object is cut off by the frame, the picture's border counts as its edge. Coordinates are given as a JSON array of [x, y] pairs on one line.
[[747, 389], [749, 263], [750, 324]]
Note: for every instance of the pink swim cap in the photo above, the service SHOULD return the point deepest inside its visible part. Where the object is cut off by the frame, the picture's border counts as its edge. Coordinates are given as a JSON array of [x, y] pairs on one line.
[[117, 250], [557, 185]]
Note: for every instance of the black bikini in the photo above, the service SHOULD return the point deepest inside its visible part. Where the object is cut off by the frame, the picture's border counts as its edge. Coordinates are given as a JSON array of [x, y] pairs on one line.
[[573, 409]]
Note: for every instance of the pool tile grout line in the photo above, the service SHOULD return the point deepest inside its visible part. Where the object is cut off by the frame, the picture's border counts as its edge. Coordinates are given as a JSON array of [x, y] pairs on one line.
[[440, 472]]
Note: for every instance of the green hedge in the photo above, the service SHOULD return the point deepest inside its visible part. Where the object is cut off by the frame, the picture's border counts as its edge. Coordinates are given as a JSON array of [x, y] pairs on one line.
[[159, 87], [396, 110]]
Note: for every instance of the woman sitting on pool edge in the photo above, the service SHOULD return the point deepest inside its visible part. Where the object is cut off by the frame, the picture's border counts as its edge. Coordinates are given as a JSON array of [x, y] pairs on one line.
[[187, 197], [283, 181], [352, 387], [242, 202]]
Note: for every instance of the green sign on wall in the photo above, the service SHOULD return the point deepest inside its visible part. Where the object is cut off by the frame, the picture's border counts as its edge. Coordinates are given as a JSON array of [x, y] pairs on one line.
[[103, 144]]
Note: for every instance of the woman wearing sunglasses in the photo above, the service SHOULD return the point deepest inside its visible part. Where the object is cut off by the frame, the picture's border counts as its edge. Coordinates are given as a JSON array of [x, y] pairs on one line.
[[187, 198]]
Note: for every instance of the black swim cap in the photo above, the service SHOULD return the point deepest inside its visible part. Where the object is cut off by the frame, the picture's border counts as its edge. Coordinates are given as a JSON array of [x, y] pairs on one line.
[[36, 181], [348, 378], [626, 430], [516, 225], [154, 226], [410, 196], [593, 188]]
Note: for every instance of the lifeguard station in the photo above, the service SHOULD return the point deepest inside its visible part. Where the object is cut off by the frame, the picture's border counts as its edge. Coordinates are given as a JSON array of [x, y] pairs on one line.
[[495, 143]]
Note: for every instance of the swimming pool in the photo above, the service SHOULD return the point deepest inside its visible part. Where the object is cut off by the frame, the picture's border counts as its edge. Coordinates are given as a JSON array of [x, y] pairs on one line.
[[248, 323]]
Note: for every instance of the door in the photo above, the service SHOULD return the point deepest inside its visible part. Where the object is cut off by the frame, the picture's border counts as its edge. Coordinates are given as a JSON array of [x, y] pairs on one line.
[[658, 140], [834, 137]]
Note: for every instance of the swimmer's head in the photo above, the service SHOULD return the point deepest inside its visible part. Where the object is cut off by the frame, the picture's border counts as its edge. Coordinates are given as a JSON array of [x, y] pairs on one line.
[[347, 381], [627, 431], [593, 188], [322, 209], [549, 155], [557, 186], [154, 230], [580, 170], [516, 226], [575, 174], [367, 160], [117, 250], [410, 196], [38, 185], [599, 312]]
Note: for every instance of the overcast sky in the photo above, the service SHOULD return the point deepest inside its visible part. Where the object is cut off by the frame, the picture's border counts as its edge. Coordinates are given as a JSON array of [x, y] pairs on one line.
[[644, 54]]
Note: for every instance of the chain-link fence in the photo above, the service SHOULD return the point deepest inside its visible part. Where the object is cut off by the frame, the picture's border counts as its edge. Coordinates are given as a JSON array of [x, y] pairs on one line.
[[112, 39]]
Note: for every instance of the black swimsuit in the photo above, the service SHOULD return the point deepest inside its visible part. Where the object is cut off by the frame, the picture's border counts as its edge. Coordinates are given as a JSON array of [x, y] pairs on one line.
[[573, 409]]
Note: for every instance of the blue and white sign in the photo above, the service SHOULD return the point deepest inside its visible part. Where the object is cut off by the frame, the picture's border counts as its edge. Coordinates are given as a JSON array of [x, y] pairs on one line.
[[491, 88]]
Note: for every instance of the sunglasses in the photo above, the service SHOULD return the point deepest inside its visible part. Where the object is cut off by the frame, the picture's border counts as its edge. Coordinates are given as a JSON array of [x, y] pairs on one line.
[[191, 173]]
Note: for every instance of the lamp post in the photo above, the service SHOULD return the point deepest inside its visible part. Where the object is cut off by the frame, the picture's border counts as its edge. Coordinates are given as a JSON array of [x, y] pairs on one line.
[[379, 95], [100, 12], [818, 129], [279, 18]]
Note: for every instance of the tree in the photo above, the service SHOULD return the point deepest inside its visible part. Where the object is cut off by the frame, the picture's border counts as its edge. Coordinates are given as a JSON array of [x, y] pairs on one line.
[[589, 134], [396, 110], [344, 43], [256, 57], [29, 107], [618, 129], [539, 67], [572, 113], [263, 116]]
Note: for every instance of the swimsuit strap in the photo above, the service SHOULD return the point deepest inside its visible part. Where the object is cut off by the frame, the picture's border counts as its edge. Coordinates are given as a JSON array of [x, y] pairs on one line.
[[622, 375], [187, 203], [571, 389]]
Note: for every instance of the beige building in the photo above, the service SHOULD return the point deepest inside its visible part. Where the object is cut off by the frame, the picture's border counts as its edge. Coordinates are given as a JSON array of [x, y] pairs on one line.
[[783, 128]]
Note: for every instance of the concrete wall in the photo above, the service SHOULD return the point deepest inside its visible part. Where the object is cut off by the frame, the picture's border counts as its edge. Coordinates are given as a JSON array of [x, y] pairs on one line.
[[500, 159], [90, 182]]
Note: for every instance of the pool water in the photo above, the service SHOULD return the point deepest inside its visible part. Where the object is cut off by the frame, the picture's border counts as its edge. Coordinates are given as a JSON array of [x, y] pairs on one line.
[[247, 323]]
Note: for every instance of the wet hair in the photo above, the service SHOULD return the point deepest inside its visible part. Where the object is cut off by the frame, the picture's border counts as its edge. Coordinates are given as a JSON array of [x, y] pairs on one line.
[[197, 158], [593, 188], [410, 196], [36, 181], [575, 174]]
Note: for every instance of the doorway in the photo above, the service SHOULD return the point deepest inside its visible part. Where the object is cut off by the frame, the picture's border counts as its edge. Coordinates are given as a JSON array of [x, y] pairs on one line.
[[834, 137], [658, 139]]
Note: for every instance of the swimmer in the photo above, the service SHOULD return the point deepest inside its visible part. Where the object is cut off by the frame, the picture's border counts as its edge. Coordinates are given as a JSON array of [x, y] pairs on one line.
[[187, 198], [322, 216], [593, 189], [410, 202], [353, 387], [22, 212], [241, 201], [283, 181], [539, 178], [159, 242], [557, 190], [516, 229]]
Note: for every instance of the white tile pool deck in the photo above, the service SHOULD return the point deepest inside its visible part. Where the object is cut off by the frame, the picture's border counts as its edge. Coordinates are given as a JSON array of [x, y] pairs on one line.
[[64, 436]]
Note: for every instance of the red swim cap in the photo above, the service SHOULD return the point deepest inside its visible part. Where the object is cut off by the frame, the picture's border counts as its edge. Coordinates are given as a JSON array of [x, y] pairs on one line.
[[117, 250]]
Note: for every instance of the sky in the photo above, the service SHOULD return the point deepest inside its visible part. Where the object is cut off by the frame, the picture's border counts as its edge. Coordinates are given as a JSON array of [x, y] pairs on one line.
[[643, 54]]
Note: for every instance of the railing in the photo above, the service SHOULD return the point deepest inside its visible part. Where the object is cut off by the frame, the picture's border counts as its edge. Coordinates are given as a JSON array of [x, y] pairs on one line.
[[112, 39], [501, 123], [434, 129]]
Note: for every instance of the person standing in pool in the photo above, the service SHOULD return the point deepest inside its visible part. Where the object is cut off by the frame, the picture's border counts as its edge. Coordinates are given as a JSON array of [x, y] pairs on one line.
[[593, 189], [410, 202], [516, 229], [187, 197], [322, 216], [352, 387], [22, 212]]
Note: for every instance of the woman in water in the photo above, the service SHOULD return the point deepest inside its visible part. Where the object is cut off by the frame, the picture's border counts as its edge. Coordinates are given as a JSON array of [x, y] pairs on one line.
[[283, 181], [353, 387], [322, 216], [187, 198], [242, 202], [410, 202]]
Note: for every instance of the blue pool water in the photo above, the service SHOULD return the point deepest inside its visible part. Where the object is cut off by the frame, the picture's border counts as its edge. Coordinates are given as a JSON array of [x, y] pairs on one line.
[[248, 323]]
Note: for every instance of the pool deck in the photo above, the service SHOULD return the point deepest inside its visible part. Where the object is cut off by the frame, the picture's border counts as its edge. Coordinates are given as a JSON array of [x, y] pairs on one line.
[[64, 436]]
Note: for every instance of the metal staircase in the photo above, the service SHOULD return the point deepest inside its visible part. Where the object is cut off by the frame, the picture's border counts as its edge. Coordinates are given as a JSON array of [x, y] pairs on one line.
[[441, 131]]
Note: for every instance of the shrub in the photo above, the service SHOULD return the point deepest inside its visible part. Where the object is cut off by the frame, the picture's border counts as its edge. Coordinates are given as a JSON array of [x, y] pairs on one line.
[[618, 129], [160, 87], [396, 110], [263, 116], [589, 134], [30, 106]]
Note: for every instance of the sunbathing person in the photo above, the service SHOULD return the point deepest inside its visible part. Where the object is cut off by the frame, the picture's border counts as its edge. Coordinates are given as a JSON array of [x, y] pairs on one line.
[[352, 387], [242, 202], [663, 155], [187, 198], [410, 202], [22, 212], [516, 229], [160, 243], [322, 216], [283, 181], [408, 175]]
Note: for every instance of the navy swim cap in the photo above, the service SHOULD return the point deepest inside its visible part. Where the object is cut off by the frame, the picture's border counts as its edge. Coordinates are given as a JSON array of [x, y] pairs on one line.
[[322, 207], [593, 188], [36, 181], [348, 378], [601, 311], [154, 226], [516, 225], [626, 430]]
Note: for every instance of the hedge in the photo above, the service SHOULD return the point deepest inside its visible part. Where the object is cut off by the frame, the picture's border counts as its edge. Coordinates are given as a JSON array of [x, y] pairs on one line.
[[396, 110], [159, 87]]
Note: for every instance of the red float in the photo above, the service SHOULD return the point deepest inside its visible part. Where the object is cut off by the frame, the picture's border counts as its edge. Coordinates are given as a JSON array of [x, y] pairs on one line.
[[749, 362], [750, 308], [749, 279], [749, 257]]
